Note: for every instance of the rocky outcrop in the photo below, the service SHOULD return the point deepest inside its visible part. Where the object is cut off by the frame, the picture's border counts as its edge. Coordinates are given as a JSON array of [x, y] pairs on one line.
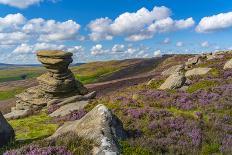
[[194, 61], [6, 132], [101, 126], [212, 56], [174, 81], [228, 65], [57, 84], [197, 71], [173, 70]]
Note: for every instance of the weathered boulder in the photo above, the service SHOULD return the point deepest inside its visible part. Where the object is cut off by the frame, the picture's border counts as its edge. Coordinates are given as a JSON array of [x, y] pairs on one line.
[[173, 70], [6, 131], [16, 114], [101, 126], [228, 65], [174, 81], [197, 71], [194, 61], [69, 108]]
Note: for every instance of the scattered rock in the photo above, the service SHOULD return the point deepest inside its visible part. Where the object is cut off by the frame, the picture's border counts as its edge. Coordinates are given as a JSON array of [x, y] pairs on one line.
[[228, 65], [174, 81], [99, 125], [69, 108], [6, 131], [16, 114], [194, 61], [197, 71], [212, 56], [173, 70]]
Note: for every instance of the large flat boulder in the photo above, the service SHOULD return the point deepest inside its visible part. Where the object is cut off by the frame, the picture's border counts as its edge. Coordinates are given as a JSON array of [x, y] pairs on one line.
[[16, 114], [197, 71], [174, 81], [101, 126], [69, 108], [228, 65], [6, 131]]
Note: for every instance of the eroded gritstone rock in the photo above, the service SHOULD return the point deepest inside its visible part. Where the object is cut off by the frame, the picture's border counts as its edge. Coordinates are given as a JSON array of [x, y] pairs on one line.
[[99, 125], [58, 83]]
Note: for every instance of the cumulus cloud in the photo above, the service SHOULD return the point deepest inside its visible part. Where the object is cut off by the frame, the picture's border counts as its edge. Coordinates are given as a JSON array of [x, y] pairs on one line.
[[51, 30], [22, 4], [215, 22], [13, 38], [98, 50], [16, 29], [118, 48], [30, 49], [11, 22], [136, 26]]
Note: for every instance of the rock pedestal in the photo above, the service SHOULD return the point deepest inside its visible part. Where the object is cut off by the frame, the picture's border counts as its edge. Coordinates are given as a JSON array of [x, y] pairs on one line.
[[58, 83], [59, 79]]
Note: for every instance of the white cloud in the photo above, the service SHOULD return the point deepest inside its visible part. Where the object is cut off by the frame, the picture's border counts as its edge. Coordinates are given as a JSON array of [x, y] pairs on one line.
[[22, 4], [168, 24], [179, 44], [75, 49], [215, 22], [13, 38], [138, 37], [205, 44], [157, 53], [51, 30], [136, 26], [30, 49], [118, 48], [98, 50], [11, 22]]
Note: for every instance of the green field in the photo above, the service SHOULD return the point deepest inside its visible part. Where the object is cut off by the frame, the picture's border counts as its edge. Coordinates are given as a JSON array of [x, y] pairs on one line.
[[20, 73]]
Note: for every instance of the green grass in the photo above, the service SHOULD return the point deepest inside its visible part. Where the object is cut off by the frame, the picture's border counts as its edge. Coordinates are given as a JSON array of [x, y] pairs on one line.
[[130, 150], [33, 127], [95, 71], [14, 74], [4, 95], [95, 76], [204, 84]]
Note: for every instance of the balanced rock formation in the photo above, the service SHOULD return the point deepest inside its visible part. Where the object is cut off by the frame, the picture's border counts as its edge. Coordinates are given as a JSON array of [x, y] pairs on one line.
[[99, 125], [6, 132], [57, 84], [174, 81], [228, 65], [197, 71]]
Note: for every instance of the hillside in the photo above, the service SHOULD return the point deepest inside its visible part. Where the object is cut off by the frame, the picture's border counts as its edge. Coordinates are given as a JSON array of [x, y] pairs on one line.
[[193, 119]]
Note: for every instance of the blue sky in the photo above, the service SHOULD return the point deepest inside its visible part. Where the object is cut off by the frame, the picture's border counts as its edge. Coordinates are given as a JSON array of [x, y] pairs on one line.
[[112, 29]]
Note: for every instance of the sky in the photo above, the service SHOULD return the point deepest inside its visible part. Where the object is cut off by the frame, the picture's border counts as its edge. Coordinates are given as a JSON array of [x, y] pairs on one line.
[[96, 30]]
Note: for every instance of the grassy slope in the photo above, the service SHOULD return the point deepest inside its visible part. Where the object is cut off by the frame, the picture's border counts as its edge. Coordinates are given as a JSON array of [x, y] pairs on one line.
[[147, 112], [131, 98], [17, 73]]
